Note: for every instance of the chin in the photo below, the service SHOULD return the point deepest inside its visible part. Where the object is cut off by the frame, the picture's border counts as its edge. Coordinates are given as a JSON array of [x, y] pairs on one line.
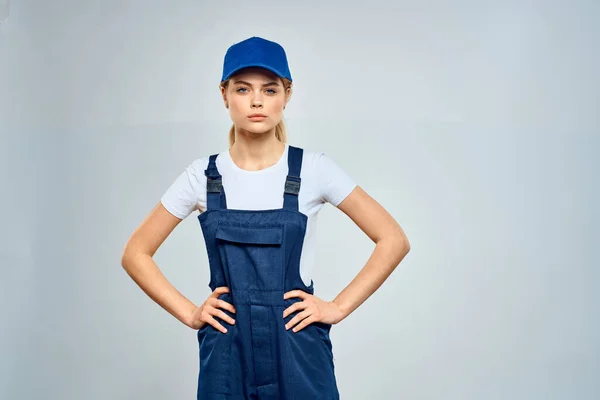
[[257, 127]]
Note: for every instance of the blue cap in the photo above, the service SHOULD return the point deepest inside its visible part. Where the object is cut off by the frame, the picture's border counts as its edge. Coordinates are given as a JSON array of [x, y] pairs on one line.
[[256, 52]]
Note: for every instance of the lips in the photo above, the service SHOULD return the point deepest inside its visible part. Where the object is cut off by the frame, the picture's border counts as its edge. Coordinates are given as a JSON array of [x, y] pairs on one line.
[[257, 117]]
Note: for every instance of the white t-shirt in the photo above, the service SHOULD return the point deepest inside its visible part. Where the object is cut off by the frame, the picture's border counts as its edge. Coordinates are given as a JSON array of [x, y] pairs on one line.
[[322, 181]]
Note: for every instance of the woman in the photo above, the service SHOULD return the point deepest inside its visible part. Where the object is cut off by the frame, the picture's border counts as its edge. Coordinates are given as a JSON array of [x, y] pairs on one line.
[[262, 333]]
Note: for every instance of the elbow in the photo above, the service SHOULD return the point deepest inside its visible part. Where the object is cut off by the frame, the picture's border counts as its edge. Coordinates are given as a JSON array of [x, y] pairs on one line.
[[405, 242], [404, 245], [401, 243], [397, 240], [131, 257], [397, 244], [400, 240], [133, 252], [127, 257]]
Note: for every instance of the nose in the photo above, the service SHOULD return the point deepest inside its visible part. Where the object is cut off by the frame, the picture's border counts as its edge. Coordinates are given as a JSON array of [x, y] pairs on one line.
[[257, 102]]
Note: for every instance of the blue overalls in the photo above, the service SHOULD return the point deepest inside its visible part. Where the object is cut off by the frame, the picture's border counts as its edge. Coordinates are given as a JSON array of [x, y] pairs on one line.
[[256, 254]]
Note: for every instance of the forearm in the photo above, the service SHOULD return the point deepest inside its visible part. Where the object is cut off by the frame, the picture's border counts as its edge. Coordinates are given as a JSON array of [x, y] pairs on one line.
[[144, 271], [386, 256]]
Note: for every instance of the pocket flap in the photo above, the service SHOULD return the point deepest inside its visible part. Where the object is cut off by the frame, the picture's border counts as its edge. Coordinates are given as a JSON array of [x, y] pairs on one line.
[[250, 235]]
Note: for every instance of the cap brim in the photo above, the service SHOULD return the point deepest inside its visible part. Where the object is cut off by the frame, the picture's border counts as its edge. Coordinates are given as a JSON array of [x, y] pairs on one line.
[[238, 69]]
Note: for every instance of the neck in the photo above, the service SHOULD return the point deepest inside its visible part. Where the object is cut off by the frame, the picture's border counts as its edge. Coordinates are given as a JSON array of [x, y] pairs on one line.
[[254, 152]]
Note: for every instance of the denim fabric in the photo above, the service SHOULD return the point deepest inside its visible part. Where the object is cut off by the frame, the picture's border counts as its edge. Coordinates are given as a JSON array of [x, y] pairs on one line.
[[257, 255]]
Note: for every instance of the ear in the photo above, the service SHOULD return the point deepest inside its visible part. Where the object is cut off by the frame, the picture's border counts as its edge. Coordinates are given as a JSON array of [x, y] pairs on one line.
[[224, 95], [288, 96]]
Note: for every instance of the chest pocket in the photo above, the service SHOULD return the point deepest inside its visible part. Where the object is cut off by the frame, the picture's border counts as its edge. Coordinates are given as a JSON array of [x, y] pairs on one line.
[[252, 256]]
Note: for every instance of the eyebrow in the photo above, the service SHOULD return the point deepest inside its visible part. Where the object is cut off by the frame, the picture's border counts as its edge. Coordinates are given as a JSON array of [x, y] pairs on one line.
[[273, 83]]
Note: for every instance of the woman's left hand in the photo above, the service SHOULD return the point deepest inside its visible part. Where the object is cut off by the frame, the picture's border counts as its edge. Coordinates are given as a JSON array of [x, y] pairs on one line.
[[313, 310]]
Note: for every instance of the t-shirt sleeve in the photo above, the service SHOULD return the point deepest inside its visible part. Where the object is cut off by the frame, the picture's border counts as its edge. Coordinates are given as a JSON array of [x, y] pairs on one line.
[[185, 194], [334, 183]]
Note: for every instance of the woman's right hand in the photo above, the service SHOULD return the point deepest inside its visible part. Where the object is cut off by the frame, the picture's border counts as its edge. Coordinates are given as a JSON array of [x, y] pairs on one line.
[[205, 313]]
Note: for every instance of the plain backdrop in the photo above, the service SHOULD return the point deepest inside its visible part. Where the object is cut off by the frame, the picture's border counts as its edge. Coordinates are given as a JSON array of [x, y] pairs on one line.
[[476, 124]]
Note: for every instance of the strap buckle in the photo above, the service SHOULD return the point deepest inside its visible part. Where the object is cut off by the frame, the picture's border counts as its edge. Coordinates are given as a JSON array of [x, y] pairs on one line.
[[292, 185], [214, 185]]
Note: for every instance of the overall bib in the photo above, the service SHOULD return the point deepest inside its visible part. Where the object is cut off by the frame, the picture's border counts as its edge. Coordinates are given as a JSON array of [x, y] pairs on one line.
[[256, 254]]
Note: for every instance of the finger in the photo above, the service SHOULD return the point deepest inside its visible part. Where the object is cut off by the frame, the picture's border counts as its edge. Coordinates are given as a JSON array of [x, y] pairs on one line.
[[295, 293], [294, 307], [304, 323], [214, 302], [225, 305], [213, 322], [297, 318], [220, 290], [221, 314]]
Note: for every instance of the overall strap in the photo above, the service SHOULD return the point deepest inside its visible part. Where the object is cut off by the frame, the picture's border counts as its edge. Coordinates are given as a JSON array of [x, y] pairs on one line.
[[215, 193], [292, 182]]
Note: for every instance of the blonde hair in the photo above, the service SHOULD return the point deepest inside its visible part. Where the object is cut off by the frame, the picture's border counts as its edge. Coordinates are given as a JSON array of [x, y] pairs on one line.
[[280, 131]]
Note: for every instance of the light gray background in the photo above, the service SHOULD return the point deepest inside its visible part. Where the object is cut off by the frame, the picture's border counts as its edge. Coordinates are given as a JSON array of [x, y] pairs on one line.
[[475, 124]]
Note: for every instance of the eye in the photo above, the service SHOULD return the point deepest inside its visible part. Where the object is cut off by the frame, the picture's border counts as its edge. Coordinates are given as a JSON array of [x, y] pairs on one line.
[[271, 91], [239, 90]]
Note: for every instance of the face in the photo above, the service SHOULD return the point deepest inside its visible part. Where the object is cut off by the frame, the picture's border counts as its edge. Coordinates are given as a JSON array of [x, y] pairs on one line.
[[256, 98]]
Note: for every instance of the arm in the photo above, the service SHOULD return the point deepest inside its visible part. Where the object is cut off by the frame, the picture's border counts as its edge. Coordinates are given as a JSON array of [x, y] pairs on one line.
[[137, 261], [391, 246]]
